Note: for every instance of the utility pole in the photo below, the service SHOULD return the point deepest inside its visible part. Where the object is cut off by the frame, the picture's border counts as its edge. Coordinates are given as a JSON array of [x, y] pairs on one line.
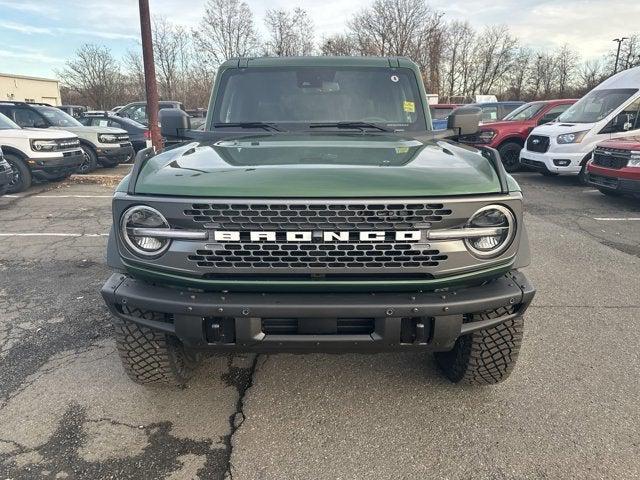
[[150, 75], [619, 40]]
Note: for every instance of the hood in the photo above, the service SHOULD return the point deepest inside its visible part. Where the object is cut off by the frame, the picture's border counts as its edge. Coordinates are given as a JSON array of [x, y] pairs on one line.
[[502, 124], [558, 128], [627, 143], [318, 166], [39, 133], [83, 129]]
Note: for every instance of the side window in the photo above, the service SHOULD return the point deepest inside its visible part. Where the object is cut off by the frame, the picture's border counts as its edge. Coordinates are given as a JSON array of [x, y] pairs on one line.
[[27, 118], [628, 119], [113, 123], [553, 113], [507, 109], [136, 112], [489, 114]]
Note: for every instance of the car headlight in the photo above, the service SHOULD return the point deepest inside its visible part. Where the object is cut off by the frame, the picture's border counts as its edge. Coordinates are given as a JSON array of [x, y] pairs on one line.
[[485, 136], [143, 217], [43, 145], [107, 138], [500, 225], [634, 159], [575, 137]]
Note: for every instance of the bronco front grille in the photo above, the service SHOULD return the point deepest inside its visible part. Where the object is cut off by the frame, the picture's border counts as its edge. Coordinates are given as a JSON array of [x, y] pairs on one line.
[[327, 256], [316, 216]]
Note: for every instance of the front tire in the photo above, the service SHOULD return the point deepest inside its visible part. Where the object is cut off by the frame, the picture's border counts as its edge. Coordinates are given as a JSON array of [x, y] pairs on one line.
[[153, 357], [90, 162], [21, 174], [609, 192], [510, 155], [484, 357]]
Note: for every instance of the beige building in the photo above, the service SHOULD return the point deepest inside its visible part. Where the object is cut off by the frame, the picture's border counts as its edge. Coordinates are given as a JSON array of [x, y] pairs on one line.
[[29, 89]]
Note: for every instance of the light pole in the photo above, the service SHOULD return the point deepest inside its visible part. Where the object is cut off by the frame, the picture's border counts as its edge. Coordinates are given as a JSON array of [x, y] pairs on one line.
[[150, 75], [619, 40]]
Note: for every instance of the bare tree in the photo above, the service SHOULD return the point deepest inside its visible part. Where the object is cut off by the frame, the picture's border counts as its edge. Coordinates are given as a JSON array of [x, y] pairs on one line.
[[339, 44], [95, 75], [226, 31], [590, 74], [290, 33], [566, 61]]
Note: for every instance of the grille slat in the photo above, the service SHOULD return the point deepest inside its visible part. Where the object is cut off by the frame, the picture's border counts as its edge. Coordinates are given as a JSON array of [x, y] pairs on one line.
[[611, 158]]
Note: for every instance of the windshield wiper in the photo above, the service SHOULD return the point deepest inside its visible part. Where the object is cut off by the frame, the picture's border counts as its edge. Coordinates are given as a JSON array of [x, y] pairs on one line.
[[263, 125], [350, 125]]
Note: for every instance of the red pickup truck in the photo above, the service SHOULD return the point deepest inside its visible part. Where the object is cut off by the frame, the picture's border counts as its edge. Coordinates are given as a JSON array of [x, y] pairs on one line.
[[615, 166], [508, 136]]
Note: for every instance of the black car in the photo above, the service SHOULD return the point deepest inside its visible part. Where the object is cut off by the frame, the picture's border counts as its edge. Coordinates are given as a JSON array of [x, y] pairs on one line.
[[138, 133]]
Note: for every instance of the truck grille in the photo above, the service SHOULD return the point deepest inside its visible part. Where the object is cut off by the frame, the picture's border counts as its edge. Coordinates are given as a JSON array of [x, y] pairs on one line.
[[301, 216], [537, 143], [611, 158], [326, 256]]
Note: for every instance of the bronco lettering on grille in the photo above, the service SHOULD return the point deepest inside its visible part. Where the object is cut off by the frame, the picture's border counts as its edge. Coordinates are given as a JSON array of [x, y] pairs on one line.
[[323, 236]]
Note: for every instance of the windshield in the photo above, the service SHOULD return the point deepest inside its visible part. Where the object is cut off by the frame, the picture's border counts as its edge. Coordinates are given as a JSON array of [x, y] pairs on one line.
[[525, 112], [596, 105], [57, 117], [6, 123], [298, 97]]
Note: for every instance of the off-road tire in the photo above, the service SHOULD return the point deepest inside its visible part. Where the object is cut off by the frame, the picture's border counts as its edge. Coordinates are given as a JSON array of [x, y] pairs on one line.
[[90, 162], [484, 357], [104, 163], [509, 153], [583, 176], [24, 174], [153, 357]]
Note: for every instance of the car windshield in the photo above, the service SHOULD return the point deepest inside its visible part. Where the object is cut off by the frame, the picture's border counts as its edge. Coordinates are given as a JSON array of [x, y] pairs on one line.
[[596, 105], [439, 113], [525, 112], [298, 97], [58, 118], [6, 123]]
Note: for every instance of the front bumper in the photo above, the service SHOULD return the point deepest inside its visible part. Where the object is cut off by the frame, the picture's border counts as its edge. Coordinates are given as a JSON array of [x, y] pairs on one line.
[[49, 168], [616, 180], [116, 154], [548, 162], [319, 322]]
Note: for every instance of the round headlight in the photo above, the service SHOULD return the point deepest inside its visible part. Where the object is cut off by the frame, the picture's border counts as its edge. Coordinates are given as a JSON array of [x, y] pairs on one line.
[[497, 218], [139, 217]]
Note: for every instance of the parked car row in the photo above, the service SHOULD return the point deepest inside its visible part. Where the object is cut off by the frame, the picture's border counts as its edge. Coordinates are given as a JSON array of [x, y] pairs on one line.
[[44, 143]]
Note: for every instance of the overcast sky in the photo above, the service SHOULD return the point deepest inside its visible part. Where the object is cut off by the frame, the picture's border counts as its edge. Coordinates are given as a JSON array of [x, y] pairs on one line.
[[37, 36]]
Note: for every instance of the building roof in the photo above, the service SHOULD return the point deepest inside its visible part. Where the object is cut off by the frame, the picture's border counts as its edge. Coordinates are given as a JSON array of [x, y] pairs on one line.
[[28, 77]]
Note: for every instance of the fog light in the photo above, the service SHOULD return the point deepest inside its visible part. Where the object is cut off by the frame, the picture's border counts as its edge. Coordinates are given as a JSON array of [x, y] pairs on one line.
[[562, 163]]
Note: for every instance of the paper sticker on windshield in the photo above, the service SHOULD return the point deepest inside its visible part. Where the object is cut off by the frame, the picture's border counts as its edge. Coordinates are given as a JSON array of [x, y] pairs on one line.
[[409, 107], [400, 150], [395, 78]]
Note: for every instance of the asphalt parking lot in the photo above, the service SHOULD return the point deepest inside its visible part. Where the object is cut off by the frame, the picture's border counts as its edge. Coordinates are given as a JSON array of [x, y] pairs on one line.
[[570, 410]]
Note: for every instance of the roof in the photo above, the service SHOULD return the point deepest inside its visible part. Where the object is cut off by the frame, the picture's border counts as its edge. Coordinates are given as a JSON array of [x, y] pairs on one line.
[[28, 77], [626, 79], [315, 61]]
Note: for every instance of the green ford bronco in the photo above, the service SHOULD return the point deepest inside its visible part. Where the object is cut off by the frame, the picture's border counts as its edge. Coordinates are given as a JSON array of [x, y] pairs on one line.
[[318, 212]]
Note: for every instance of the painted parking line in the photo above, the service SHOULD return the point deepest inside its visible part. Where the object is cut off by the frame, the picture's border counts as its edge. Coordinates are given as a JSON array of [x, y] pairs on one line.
[[617, 219], [52, 234]]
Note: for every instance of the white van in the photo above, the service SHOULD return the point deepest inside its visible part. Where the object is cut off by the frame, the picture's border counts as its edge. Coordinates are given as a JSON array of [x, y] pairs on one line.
[[611, 110]]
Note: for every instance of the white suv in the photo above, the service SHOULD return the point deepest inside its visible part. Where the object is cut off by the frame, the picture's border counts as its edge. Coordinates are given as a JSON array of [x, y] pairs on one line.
[[36, 153]]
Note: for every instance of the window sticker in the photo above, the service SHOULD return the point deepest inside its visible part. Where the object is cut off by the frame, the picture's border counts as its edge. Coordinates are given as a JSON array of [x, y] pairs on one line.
[[401, 150], [409, 107]]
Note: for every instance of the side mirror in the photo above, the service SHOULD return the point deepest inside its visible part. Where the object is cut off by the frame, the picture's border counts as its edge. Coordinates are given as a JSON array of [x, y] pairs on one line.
[[465, 120], [174, 123]]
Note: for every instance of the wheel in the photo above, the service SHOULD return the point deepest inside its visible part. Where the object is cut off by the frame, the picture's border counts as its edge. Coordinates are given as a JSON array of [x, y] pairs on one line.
[[4, 190], [90, 162], [583, 175], [609, 192], [547, 173], [484, 357], [21, 174], [510, 155], [152, 357]]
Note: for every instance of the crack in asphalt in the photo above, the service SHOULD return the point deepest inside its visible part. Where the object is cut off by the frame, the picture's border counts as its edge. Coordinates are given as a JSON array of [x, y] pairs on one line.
[[242, 380]]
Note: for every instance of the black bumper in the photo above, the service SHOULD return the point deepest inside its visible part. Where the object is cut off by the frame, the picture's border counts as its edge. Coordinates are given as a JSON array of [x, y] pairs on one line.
[[316, 322], [56, 167], [117, 154], [536, 165], [622, 185]]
